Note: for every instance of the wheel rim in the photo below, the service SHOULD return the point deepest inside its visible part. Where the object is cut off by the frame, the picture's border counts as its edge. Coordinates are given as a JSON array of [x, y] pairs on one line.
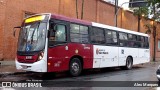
[[75, 67]]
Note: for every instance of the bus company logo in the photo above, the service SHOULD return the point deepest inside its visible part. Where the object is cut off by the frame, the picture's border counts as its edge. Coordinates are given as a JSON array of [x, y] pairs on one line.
[[101, 51], [6, 84], [20, 84]]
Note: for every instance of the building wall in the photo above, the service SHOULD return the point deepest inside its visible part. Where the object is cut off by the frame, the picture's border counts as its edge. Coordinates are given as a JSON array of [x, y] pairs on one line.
[[2, 26], [12, 13]]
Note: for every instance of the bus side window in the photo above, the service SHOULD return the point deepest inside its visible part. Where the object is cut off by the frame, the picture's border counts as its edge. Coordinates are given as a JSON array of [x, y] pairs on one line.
[[146, 42], [141, 42], [97, 36], [60, 34], [79, 33], [57, 32], [123, 38], [111, 37], [132, 40]]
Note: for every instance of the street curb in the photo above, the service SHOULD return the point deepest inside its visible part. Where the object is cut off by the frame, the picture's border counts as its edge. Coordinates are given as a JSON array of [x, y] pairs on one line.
[[8, 62], [156, 62], [11, 73]]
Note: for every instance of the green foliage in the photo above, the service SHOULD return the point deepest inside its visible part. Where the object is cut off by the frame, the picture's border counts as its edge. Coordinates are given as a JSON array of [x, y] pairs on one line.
[[154, 6], [153, 2], [141, 11], [148, 28], [154, 12], [151, 11]]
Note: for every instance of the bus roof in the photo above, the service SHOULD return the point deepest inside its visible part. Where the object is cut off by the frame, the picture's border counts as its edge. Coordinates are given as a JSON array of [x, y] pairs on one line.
[[118, 29], [61, 17]]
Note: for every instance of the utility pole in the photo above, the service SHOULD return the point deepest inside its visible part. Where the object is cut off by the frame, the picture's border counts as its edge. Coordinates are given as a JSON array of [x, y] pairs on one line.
[[117, 9]]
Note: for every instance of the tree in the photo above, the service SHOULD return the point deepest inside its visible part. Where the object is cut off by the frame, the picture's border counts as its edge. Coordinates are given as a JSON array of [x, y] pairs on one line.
[[140, 12], [82, 9], [77, 8], [152, 11], [154, 6]]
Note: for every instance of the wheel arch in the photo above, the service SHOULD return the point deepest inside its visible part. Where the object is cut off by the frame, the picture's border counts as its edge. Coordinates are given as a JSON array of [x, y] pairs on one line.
[[79, 57], [131, 58]]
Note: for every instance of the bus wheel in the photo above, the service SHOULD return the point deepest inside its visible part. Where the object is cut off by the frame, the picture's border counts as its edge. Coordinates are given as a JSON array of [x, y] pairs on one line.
[[129, 63], [75, 67]]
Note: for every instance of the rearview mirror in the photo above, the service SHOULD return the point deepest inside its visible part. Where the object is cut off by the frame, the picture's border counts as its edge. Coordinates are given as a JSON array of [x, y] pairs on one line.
[[14, 30]]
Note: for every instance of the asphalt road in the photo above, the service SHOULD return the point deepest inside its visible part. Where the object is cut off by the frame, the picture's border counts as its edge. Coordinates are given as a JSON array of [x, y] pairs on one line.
[[94, 79]]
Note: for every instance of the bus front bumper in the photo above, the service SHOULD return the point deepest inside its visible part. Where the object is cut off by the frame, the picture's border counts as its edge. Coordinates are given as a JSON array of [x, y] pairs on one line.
[[39, 66]]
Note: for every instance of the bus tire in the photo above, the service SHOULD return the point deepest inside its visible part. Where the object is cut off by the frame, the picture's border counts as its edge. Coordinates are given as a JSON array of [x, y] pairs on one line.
[[129, 64], [75, 67]]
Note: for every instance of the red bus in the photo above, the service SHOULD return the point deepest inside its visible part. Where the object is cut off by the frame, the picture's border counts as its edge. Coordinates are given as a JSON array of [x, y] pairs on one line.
[[52, 43]]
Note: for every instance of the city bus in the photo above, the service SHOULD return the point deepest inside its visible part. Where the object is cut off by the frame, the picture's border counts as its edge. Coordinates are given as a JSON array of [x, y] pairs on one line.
[[54, 43]]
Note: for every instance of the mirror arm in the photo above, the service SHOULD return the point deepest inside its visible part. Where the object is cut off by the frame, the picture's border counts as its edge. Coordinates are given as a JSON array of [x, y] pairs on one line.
[[14, 30]]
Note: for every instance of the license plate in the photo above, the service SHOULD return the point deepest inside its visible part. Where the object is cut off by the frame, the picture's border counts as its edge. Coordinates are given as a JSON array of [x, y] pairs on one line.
[[28, 57], [24, 66]]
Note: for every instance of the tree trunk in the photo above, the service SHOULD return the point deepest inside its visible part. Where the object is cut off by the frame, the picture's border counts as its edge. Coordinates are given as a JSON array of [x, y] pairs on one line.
[[116, 5], [139, 22], [154, 44], [82, 9], [77, 8], [154, 37]]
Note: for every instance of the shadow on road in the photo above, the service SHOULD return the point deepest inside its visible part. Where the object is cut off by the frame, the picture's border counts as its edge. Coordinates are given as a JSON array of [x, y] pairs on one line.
[[89, 73]]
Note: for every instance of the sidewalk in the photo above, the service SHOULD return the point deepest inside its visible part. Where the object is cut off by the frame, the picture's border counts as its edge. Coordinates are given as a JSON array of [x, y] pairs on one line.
[[9, 68]]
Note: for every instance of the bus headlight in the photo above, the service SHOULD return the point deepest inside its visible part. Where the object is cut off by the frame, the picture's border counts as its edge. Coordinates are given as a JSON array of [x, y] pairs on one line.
[[40, 56]]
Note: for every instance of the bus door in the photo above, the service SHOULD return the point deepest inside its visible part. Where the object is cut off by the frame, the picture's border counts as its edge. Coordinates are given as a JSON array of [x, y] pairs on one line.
[[57, 46]]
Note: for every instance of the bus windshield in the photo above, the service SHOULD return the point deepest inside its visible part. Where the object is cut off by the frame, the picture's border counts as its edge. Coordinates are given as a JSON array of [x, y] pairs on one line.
[[32, 37]]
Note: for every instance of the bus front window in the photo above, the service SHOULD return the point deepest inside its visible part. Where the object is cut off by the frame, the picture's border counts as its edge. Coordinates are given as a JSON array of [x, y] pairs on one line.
[[32, 37]]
